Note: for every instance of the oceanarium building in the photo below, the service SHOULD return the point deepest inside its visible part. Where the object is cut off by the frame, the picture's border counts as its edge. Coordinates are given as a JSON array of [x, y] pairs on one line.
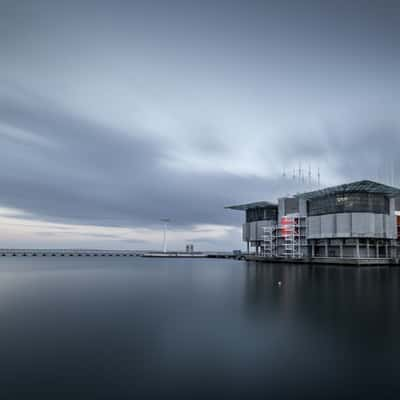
[[356, 220]]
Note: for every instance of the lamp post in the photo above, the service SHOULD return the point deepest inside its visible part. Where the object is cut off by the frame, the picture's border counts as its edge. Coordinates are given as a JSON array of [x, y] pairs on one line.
[[165, 221]]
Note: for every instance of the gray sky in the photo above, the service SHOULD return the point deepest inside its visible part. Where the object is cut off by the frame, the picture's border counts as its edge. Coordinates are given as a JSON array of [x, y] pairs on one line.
[[116, 114]]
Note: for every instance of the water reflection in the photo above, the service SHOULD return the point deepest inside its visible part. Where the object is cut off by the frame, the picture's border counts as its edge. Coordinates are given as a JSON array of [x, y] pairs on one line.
[[367, 294], [197, 329], [353, 313]]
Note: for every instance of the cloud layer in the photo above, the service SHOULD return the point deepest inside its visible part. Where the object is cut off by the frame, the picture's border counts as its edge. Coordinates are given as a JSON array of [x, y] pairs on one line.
[[114, 115]]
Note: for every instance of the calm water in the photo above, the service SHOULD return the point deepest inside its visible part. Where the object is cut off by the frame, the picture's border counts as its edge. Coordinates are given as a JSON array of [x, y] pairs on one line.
[[141, 328]]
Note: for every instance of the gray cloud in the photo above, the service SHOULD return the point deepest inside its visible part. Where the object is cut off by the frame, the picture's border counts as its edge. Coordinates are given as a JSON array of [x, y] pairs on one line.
[[95, 174], [91, 173]]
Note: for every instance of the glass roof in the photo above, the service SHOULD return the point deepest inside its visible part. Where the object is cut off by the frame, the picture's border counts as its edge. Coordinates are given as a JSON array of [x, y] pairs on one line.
[[353, 187], [258, 204]]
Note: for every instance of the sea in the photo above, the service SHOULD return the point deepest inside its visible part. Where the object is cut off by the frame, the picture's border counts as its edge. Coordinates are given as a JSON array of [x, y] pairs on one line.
[[146, 328]]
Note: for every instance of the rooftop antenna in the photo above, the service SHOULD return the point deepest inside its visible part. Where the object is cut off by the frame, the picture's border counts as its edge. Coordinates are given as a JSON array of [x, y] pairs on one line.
[[165, 221], [299, 172], [392, 183]]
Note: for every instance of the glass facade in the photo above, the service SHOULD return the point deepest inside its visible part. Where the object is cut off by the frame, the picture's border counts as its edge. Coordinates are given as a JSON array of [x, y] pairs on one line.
[[349, 202], [261, 214]]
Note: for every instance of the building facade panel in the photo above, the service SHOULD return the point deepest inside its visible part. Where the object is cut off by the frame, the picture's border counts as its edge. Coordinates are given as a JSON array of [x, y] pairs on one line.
[[253, 231], [379, 226], [328, 226], [303, 207], [314, 227], [391, 226], [343, 225], [363, 225], [246, 232]]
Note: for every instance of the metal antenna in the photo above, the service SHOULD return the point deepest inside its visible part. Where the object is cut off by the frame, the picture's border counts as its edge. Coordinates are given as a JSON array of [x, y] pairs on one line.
[[392, 183], [300, 172], [165, 221]]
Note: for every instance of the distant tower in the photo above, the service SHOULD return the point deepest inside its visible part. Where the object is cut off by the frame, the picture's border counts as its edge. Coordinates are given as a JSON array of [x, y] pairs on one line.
[[165, 221], [319, 178], [309, 174]]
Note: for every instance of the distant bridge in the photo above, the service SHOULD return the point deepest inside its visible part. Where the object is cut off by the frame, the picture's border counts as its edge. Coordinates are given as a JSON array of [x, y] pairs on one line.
[[107, 253]]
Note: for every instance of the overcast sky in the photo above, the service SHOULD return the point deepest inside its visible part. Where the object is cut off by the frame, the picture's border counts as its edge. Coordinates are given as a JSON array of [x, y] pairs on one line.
[[114, 114]]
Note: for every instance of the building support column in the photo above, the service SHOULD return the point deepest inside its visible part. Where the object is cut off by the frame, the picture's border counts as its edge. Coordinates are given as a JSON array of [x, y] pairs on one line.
[[377, 249], [313, 248], [248, 247], [358, 248], [368, 255], [386, 249], [341, 248], [326, 248]]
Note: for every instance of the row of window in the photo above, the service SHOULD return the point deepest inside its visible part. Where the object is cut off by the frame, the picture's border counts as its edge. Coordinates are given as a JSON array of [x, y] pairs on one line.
[[349, 202], [331, 204], [262, 214]]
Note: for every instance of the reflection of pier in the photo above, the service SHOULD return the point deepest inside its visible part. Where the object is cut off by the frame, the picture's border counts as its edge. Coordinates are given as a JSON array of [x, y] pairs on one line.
[[325, 260]]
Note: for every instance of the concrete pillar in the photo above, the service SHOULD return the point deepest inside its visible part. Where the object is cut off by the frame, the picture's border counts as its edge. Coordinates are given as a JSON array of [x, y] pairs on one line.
[[326, 248], [358, 248], [386, 250], [341, 248], [377, 249], [312, 248], [368, 248]]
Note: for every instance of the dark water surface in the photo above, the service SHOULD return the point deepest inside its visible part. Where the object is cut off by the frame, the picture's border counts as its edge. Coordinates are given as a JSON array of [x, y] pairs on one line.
[[138, 328]]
